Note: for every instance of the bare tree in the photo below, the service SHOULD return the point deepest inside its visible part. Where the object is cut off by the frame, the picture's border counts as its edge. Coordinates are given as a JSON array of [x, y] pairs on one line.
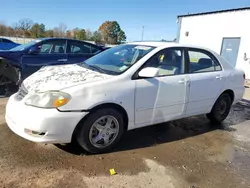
[[3, 30], [89, 34], [25, 24], [62, 29], [68, 34], [56, 32], [17, 31]]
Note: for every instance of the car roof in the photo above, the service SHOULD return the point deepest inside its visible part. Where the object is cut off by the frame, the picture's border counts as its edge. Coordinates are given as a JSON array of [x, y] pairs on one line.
[[61, 38], [166, 44], [58, 38], [1, 38]]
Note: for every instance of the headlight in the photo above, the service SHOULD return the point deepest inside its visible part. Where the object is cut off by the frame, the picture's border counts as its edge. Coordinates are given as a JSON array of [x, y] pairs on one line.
[[49, 99]]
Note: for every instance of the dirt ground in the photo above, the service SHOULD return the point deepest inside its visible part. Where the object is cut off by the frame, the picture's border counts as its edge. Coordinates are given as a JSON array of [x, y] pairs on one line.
[[190, 152]]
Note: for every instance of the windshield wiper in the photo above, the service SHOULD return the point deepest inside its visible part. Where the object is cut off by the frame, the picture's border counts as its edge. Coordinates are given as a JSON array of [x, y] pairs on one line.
[[93, 67], [97, 68]]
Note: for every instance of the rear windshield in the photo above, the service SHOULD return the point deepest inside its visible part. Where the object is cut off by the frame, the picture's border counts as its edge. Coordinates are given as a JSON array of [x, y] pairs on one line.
[[25, 46]]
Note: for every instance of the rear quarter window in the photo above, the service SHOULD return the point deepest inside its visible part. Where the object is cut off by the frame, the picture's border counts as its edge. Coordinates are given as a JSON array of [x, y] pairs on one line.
[[94, 49]]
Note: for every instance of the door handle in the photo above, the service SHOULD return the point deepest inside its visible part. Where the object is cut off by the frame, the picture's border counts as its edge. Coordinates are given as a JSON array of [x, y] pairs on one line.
[[219, 77], [62, 60], [183, 81]]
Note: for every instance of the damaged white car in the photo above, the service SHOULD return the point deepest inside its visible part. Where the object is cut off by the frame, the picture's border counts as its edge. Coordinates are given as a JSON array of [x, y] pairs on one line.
[[126, 87]]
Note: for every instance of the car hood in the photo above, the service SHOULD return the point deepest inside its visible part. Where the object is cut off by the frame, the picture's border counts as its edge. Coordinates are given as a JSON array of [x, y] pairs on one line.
[[60, 77]]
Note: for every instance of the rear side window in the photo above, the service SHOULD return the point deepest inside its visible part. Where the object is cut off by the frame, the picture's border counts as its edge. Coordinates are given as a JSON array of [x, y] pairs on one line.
[[59, 48], [76, 47], [202, 61]]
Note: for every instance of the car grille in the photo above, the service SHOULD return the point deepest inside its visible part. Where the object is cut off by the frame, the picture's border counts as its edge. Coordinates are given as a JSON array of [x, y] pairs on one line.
[[22, 92]]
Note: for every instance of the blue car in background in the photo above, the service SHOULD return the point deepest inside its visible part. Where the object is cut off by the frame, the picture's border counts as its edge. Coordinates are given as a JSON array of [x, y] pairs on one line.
[[20, 62], [6, 44]]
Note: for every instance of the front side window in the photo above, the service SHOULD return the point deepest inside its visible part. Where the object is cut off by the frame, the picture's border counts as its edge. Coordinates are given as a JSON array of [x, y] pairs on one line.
[[168, 61], [45, 48], [200, 61], [52, 46], [118, 59]]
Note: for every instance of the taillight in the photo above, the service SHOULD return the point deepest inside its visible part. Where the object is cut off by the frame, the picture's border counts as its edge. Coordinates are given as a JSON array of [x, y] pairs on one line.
[[244, 76]]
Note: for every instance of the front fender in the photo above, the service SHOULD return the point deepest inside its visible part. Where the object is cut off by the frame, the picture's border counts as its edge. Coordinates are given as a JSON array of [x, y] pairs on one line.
[[95, 95]]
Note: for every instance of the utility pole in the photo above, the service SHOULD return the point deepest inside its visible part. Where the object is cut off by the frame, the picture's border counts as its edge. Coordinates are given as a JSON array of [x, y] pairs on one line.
[[142, 33]]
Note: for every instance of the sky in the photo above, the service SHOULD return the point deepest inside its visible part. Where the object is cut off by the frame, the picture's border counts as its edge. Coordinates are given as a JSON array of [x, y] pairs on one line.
[[157, 16]]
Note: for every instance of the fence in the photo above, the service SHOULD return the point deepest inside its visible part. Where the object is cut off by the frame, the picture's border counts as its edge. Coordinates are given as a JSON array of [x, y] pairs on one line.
[[18, 39]]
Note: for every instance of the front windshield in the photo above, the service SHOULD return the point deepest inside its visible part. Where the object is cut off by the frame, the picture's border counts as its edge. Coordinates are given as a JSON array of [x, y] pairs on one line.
[[118, 59], [25, 46]]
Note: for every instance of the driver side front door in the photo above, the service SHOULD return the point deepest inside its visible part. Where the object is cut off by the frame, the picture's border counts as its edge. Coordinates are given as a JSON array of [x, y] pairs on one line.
[[164, 97], [50, 52]]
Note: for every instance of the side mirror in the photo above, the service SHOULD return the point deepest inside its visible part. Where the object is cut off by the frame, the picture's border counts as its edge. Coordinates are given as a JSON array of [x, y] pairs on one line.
[[149, 72], [33, 50]]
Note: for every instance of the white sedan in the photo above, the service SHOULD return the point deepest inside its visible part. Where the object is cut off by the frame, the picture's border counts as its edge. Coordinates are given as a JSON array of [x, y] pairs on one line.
[[126, 87]]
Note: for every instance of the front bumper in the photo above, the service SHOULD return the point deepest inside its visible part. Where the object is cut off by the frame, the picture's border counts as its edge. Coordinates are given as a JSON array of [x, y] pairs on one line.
[[57, 127]]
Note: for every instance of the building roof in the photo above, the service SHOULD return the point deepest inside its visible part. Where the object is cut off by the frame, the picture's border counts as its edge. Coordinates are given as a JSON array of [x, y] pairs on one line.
[[214, 12]]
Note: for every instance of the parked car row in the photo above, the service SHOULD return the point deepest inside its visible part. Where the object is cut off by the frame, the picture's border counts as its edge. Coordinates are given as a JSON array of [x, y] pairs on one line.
[[23, 60], [126, 87]]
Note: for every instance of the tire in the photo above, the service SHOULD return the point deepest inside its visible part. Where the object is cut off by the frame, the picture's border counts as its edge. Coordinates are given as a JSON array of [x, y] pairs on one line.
[[98, 129], [220, 109]]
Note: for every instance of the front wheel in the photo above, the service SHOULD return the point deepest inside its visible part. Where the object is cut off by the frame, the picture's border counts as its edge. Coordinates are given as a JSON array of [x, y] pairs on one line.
[[101, 130], [220, 109]]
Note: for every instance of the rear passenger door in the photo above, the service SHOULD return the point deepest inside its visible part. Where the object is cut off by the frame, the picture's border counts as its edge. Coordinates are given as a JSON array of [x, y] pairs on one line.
[[78, 51], [206, 80]]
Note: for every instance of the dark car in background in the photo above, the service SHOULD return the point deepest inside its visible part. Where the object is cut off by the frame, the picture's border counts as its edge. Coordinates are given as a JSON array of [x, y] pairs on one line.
[[6, 44], [20, 62]]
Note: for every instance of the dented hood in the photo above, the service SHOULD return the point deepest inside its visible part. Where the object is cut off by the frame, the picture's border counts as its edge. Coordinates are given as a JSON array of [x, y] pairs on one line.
[[60, 77]]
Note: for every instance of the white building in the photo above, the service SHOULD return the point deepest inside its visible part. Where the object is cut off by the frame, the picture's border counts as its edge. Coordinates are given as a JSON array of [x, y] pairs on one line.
[[227, 32]]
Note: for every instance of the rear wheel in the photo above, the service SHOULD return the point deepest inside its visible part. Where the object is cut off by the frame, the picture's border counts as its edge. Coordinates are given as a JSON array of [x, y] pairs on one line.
[[101, 130], [220, 109]]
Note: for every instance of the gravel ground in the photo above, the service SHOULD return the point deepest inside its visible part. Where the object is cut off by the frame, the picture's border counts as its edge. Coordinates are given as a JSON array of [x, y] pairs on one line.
[[187, 153]]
